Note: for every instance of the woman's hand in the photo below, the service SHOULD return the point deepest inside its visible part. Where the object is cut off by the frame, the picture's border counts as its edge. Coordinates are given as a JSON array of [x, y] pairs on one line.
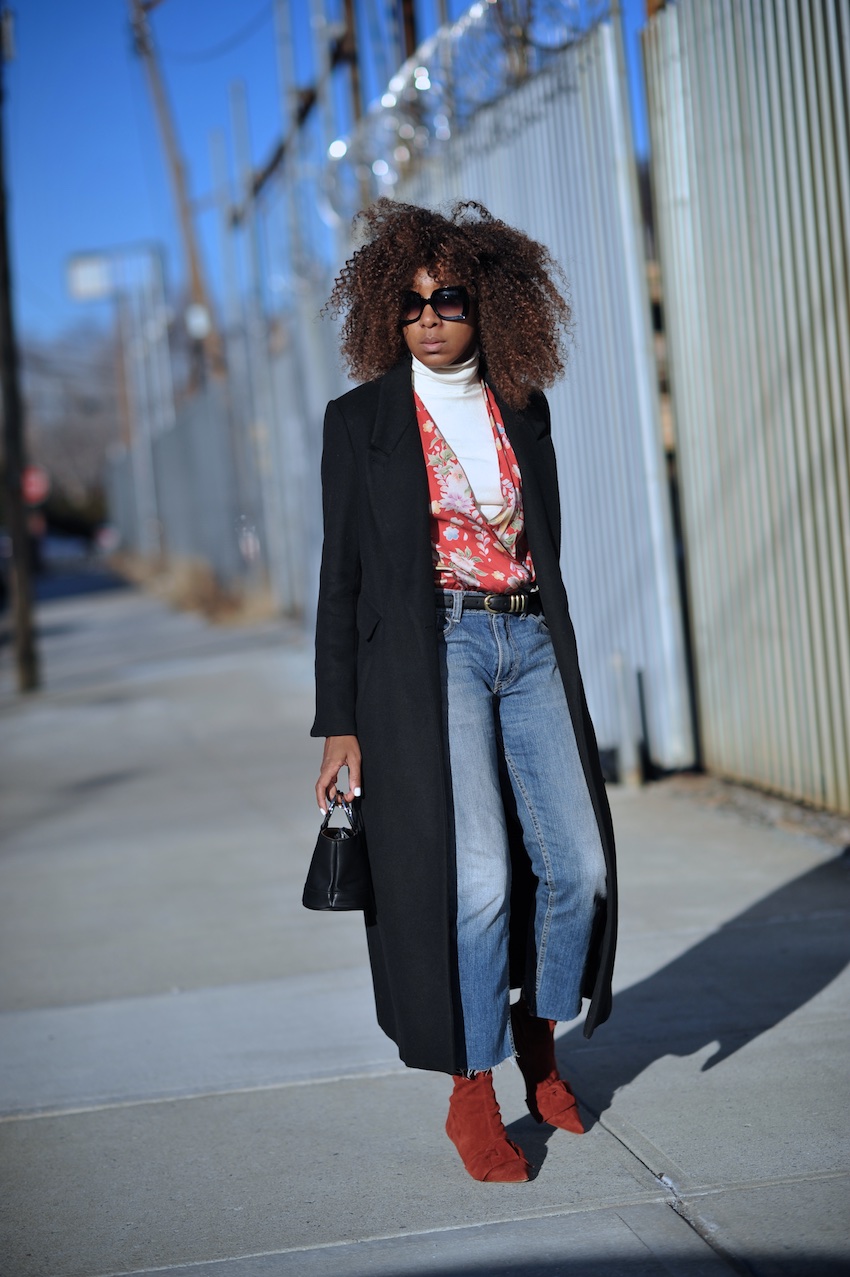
[[340, 751]]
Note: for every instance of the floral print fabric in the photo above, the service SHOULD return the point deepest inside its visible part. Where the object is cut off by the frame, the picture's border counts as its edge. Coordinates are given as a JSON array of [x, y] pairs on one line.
[[470, 551]]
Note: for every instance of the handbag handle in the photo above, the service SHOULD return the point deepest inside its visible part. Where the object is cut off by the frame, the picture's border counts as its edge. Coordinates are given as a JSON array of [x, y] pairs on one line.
[[352, 812]]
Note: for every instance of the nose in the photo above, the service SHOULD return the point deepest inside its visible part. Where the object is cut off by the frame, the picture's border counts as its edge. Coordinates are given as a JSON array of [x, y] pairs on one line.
[[429, 316]]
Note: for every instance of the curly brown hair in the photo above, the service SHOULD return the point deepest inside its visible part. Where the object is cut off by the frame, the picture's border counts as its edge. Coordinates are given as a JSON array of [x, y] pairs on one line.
[[520, 292]]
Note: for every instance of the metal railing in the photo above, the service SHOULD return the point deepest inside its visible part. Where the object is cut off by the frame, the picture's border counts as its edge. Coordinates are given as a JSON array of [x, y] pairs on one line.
[[751, 166]]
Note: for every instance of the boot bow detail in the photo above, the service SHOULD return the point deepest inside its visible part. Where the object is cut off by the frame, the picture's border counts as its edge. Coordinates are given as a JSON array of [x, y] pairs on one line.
[[548, 1096]]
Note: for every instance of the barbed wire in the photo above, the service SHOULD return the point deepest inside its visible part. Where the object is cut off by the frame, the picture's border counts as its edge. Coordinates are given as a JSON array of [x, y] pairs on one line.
[[466, 66]]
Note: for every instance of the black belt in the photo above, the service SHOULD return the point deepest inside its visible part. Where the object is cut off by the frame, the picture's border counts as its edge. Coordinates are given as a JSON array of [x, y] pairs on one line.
[[512, 604]]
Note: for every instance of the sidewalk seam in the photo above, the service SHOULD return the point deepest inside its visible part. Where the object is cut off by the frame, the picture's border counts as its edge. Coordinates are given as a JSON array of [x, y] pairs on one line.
[[31, 1115], [645, 1199], [676, 1202], [703, 1230]]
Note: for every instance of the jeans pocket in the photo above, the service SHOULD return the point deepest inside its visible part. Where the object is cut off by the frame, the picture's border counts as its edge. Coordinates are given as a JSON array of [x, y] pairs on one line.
[[445, 623]]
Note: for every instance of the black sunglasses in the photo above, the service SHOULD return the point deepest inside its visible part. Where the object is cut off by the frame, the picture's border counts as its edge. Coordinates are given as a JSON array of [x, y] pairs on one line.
[[447, 303]]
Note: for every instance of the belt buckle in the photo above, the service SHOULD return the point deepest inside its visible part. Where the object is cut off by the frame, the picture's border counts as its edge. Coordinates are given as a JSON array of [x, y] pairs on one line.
[[517, 603]]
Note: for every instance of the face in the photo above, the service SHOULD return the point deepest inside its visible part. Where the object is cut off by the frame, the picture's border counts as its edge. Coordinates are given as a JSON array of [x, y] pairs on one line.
[[434, 341]]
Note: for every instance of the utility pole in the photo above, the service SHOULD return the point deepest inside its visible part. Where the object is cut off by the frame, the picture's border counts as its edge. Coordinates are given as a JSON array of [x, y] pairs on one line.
[[210, 342], [26, 654], [352, 57], [350, 53], [408, 28]]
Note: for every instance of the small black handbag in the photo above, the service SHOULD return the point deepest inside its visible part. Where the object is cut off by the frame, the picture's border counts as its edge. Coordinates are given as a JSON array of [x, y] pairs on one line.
[[338, 877]]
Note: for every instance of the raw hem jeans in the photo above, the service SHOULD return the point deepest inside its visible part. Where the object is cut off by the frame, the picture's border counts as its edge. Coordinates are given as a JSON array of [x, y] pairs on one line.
[[503, 693]]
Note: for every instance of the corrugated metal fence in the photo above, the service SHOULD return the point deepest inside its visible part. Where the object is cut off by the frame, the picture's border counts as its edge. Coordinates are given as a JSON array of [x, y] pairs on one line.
[[556, 159], [751, 166], [236, 473]]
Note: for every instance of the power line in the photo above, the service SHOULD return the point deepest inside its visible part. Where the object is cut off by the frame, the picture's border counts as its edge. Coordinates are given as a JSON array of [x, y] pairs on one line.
[[224, 46]]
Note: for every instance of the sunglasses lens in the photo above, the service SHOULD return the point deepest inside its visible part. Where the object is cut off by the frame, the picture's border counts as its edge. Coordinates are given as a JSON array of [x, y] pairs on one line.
[[450, 303], [411, 306]]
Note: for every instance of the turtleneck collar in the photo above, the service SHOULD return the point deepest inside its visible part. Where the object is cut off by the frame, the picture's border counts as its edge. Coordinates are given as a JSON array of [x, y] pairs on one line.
[[452, 380]]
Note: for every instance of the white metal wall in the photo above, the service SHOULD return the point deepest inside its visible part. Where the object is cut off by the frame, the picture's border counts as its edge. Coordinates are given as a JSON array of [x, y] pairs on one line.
[[555, 158], [749, 124]]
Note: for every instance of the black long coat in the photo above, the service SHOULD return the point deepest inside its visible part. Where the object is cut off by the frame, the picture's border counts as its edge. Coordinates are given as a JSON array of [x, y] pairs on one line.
[[377, 677]]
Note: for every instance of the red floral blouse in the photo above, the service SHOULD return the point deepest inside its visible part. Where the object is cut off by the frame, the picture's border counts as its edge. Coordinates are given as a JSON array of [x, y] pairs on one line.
[[472, 552]]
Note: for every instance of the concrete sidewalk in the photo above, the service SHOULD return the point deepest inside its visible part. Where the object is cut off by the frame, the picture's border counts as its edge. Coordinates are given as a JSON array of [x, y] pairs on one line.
[[192, 1079]]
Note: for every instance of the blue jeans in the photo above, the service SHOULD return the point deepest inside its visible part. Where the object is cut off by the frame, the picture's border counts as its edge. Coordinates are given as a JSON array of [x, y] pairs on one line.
[[503, 693]]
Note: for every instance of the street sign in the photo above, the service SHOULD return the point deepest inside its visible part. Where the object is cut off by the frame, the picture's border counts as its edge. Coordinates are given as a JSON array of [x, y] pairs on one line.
[[35, 485], [89, 277]]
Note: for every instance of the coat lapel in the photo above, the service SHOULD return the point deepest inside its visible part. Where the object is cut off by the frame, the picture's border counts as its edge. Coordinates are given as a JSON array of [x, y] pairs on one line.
[[398, 488], [529, 424], [396, 415]]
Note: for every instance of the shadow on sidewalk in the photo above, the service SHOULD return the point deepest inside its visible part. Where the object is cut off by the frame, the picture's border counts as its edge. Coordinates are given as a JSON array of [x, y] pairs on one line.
[[652, 1266], [738, 983]]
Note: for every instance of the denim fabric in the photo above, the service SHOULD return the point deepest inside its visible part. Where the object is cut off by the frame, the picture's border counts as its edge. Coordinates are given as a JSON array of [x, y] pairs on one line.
[[503, 692]]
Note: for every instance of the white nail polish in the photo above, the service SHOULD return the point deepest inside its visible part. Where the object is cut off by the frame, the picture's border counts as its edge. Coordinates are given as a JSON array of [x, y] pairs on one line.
[[323, 810], [357, 792]]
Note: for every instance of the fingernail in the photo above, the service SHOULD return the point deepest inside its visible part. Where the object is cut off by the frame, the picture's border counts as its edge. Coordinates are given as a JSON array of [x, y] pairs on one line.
[[357, 792], [323, 810]]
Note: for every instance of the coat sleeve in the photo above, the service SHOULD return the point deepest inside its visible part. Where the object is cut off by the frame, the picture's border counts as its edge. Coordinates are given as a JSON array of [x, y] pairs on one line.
[[339, 584]]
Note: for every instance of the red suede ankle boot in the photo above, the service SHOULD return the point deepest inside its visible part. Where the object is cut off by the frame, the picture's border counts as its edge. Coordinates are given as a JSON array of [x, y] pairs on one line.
[[474, 1126], [547, 1095]]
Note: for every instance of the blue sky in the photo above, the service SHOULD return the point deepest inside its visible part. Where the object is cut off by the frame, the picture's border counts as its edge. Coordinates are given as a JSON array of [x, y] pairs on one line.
[[85, 168]]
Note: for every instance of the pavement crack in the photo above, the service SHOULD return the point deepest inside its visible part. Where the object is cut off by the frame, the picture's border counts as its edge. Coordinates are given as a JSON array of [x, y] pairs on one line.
[[705, 1231], [674, 1197]]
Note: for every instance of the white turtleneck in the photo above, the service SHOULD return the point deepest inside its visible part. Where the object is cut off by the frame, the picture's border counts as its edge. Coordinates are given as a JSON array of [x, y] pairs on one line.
[[454, 397]]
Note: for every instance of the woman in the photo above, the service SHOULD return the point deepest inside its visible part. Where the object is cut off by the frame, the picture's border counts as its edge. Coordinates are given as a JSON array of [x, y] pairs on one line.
[[446, 665]]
